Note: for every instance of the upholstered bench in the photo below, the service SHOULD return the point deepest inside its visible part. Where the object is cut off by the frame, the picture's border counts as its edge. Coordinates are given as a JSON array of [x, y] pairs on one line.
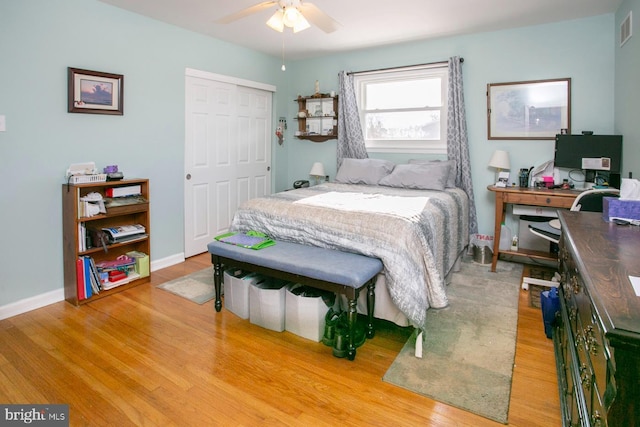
[[332, 270]]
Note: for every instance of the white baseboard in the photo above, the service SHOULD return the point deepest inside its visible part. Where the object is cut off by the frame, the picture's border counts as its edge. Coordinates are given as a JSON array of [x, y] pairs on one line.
[[31, 303], [42, 300], [167, 262]]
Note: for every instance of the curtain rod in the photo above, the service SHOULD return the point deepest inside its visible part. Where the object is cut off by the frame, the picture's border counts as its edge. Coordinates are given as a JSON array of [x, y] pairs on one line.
[[405, 66]]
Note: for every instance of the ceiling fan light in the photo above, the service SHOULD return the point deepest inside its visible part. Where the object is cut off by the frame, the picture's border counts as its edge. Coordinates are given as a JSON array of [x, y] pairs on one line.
[[301, 24], [291, 16], [276, 21]]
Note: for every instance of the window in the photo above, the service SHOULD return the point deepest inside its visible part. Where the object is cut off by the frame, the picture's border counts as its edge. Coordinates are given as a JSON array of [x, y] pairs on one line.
[[404, 110]]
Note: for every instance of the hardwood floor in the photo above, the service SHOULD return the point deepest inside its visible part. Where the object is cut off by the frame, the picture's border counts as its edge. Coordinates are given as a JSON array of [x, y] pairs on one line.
[[147, 357]]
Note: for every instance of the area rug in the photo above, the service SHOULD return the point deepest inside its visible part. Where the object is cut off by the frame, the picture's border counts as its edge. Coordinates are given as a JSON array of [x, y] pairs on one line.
[[469, 347], [197, 287]]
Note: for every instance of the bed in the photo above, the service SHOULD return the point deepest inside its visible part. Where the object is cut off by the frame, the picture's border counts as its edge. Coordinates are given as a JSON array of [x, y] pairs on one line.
[[377, 209]]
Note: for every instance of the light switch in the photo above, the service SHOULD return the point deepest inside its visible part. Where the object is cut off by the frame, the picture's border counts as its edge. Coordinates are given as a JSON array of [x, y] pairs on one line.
[[3, 123]]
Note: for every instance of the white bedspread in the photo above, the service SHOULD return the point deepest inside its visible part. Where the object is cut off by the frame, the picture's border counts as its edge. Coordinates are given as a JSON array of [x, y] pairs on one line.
[[405, 207], [416, 253]]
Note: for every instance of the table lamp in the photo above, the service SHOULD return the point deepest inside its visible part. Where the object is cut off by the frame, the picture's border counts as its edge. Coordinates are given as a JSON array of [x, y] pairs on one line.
[[500, 161], [317, 172]]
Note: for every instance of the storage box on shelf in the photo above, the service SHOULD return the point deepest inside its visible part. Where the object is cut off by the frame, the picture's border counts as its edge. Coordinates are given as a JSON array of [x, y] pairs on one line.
[[82, 237]]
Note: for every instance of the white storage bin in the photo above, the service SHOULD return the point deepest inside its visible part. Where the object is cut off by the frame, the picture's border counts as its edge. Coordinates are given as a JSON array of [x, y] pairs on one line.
[[305, 314], [236, 286], [267, 303]]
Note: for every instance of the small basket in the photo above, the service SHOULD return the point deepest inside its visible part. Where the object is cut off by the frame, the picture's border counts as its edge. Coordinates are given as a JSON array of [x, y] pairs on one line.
[[84, 179]]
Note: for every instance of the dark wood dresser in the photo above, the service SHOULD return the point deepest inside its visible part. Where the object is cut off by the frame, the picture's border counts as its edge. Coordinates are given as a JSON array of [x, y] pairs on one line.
[[597, 337]]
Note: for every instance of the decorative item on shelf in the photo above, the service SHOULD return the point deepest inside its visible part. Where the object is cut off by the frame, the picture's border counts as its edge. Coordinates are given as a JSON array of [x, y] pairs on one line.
[[317, 172], [500, 161], [317, 90], [112, 173]]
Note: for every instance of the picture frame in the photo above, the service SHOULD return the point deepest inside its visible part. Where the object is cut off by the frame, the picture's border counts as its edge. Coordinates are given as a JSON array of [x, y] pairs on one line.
[[95, 92], [537, 109]]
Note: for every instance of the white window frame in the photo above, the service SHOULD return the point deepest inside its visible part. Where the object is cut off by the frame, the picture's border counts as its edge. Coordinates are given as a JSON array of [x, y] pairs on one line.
[[397, 145]]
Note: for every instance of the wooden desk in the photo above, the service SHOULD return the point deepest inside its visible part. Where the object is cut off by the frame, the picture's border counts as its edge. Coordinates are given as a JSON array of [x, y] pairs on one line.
[[542, 197]]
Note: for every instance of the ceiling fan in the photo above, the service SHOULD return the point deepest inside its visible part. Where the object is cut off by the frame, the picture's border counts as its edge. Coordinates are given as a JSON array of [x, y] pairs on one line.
[[294, 14]]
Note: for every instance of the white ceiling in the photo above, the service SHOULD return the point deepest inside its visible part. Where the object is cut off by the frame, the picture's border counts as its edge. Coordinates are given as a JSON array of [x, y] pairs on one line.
[[364, 23]]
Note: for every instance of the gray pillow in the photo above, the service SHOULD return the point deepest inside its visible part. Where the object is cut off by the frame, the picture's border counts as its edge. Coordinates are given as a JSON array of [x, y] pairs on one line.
[[432, 176], [363, 171], [451, 179]]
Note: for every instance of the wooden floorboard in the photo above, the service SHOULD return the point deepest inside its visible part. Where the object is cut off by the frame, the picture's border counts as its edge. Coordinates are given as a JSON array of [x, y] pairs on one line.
[[147, 357]]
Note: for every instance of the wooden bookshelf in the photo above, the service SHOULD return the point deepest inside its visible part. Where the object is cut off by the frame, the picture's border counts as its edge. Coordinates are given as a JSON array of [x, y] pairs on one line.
[[73, 219]]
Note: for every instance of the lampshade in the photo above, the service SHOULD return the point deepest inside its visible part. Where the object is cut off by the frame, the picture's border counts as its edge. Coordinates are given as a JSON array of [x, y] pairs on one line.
[[317, 170], [500, 160], [276, 21], [289, 17]]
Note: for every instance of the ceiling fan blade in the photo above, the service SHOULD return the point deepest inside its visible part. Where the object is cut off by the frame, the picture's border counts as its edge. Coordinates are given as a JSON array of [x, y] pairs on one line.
[[318, 17], [246, 12]]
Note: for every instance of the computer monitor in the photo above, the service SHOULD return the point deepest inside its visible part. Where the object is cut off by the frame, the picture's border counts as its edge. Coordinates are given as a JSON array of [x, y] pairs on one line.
[[571, 149]]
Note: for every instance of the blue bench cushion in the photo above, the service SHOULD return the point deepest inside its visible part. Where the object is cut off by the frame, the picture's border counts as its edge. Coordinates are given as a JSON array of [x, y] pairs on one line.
[[343, 268]]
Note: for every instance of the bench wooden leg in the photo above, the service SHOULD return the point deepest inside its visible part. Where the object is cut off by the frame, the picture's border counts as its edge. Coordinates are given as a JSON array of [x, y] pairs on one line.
[[352, 316], [217, 281], [371, 303]]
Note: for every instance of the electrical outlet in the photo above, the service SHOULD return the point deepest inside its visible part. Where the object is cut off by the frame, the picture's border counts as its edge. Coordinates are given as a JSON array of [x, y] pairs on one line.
[[3, 123]]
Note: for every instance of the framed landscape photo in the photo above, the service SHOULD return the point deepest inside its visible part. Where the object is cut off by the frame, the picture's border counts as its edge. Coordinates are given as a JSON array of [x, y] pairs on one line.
[[94, 92], [538, 109]]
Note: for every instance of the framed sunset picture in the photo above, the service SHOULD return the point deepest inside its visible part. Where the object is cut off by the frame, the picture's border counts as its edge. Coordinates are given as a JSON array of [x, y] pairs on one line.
[[95, 92]]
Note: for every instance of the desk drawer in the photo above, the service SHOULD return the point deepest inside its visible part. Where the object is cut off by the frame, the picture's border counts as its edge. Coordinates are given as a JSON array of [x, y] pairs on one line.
[[540, 200]]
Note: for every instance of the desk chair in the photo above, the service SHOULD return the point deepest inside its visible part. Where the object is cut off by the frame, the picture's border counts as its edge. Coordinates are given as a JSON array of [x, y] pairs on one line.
[[588, 201]]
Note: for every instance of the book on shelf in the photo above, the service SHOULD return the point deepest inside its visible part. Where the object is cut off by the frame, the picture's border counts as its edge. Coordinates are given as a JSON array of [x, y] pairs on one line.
[[129, 190], [94, 275], [86, 270], [82, 237], [80, 279], [124, 232]]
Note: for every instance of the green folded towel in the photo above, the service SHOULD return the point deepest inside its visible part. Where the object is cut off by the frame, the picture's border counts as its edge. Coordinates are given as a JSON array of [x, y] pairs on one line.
[[250, 239]]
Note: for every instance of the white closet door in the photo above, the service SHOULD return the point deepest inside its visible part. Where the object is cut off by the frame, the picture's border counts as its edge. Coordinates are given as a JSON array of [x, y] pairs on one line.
[[227, 155]]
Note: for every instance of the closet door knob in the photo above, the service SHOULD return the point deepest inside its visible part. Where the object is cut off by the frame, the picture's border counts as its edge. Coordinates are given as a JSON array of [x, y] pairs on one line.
[[188, 176]]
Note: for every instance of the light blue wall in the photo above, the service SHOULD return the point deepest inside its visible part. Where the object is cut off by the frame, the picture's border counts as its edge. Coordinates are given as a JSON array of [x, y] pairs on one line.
[[39, 39], [582, 50], [628, 89]]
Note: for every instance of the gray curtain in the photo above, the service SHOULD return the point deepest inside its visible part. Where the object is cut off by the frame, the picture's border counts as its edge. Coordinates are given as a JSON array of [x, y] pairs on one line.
[[457, 139], [350, 138]]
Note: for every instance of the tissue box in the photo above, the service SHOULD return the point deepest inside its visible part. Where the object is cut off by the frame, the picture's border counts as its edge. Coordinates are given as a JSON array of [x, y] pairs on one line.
[[305, 312], [612, 207]]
